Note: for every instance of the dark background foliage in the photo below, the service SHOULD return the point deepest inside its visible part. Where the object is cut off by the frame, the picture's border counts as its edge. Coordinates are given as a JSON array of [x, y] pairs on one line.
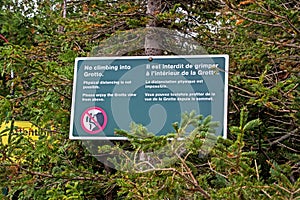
[[259, 160]]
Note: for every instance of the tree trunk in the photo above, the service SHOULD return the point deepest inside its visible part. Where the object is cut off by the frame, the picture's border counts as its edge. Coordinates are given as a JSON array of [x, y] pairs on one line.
[[153, 39], [64, 15]]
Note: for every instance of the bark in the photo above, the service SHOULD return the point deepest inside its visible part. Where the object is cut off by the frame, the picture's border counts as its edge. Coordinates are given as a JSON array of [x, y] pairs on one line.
[[152, 38], [64, 15]]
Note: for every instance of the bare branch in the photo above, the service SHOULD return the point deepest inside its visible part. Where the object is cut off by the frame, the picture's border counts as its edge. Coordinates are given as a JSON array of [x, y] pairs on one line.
[[243, 90], [283, 137], [279, 43], [280, 16], [3, 38], [210, 167]]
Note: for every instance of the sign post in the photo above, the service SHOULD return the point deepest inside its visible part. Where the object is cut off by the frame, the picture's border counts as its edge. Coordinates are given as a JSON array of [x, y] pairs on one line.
[[112, 92]]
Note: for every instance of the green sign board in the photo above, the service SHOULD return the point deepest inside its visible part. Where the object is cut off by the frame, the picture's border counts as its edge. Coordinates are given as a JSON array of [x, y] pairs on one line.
[[112, 92]]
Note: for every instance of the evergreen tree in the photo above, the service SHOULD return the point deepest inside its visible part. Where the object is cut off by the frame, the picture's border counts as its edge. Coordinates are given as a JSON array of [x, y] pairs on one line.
[[260, 159]]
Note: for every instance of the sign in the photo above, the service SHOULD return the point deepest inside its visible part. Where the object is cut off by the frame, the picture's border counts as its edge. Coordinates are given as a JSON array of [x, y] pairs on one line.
[[93, 120], [25, 127], [112, 92]]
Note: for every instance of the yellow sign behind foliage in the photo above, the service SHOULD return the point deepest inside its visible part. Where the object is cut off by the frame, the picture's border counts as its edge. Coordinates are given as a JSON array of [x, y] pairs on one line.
[[25, 127]]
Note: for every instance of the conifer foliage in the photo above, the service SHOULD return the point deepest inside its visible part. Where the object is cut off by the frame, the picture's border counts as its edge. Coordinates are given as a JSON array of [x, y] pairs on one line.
[[39, 41]]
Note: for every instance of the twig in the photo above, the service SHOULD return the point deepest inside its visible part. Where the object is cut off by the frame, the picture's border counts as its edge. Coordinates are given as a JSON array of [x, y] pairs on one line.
[[279, 43], [159, 169], [147, 163], [255, 21], [234, 104], [266, 194], [65, 9], [210, 167], [280, 121], [280, 16], [241, 89], [3, 38], [256, 169], [294, 150], [126, 14], [282, 188]]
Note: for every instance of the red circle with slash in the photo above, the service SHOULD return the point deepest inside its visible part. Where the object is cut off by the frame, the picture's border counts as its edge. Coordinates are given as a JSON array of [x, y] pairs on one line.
[[93, 120]]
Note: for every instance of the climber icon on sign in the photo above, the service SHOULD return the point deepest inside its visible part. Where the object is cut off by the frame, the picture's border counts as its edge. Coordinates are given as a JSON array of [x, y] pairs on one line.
[[93, 120]]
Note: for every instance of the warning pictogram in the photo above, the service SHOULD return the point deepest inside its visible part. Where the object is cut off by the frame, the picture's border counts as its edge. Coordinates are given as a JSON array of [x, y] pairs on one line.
[[93, 120]]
